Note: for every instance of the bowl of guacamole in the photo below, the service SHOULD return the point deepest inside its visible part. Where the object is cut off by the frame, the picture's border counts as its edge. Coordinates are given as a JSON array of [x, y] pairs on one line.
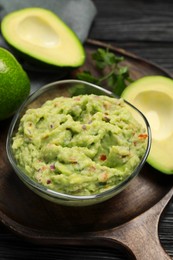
[[76, 144]]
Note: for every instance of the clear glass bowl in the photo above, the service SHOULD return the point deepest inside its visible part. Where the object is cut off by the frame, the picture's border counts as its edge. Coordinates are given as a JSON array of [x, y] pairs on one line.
[[69, 88]]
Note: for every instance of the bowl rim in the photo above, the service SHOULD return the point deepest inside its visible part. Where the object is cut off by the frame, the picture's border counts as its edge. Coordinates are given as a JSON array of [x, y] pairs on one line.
[[63, 196]]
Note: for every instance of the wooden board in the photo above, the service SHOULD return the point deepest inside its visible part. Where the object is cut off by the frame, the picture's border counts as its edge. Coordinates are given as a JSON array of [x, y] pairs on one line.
[[130, 219]]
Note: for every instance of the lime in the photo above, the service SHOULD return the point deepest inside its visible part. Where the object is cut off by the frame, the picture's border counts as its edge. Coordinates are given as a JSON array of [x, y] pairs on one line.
[[14, 84]]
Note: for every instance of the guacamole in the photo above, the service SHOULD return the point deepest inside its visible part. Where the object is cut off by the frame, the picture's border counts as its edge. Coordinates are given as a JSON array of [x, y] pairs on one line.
[[79, 145]]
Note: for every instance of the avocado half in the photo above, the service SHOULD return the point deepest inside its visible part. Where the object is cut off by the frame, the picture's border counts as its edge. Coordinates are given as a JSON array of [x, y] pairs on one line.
[[40, 34], [153, 95]]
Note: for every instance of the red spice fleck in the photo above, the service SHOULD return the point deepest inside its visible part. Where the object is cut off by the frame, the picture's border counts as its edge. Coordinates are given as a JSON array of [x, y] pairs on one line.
[[103, 157], [52, 167], [143, 136], [48, 181]]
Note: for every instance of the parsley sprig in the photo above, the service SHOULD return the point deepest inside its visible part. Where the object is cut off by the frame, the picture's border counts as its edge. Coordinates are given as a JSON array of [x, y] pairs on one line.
[[114, 74]]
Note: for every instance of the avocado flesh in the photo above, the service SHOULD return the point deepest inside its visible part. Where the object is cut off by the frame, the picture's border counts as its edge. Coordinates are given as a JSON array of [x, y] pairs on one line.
[[153, 96], [40, 34]]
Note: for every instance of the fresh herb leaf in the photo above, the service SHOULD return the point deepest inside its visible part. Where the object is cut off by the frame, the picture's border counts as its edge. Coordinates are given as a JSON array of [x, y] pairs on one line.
[[87, 76], [114, 74]]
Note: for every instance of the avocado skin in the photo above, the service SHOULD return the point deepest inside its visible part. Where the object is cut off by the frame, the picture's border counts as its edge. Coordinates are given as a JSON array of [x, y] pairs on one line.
[[32, 64]]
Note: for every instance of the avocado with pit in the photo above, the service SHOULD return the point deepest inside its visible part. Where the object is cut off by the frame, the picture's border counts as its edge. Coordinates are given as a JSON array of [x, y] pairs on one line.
[[40, 35], [153, 95]]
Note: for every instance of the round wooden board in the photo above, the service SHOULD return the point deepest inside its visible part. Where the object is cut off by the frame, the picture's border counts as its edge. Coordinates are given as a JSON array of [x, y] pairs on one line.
[[44, 222]]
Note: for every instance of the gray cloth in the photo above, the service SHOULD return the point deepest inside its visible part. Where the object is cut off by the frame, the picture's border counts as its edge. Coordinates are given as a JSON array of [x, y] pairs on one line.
[[77, 14]]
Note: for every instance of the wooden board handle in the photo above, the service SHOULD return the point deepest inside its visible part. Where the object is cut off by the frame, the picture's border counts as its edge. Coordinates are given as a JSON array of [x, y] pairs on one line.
[[140, 235]]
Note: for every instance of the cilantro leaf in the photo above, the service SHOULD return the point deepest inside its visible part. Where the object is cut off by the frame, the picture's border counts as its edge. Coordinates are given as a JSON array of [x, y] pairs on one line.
[[115, 75], [87, 76]]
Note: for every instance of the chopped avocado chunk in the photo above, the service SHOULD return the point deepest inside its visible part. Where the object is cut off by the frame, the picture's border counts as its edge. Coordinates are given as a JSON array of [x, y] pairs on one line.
[[42, 35], [153, 95]]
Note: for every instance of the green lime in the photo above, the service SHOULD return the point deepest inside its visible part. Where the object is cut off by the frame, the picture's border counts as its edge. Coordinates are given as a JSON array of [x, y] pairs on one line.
[[14, 84]]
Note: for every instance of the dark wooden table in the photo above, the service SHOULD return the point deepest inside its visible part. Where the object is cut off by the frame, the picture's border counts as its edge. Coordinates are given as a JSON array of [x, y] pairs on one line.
[[146, 29]]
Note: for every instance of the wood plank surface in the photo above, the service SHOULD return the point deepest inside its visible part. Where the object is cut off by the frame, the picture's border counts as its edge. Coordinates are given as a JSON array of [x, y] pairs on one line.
[[145, 28], [131, 20]]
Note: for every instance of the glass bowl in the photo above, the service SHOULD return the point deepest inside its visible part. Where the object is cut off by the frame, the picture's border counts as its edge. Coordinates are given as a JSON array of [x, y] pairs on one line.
[[70, 88]]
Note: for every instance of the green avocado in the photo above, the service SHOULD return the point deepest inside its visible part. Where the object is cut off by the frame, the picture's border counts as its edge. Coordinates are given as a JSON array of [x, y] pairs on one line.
[[153, 95], [39, 34]]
